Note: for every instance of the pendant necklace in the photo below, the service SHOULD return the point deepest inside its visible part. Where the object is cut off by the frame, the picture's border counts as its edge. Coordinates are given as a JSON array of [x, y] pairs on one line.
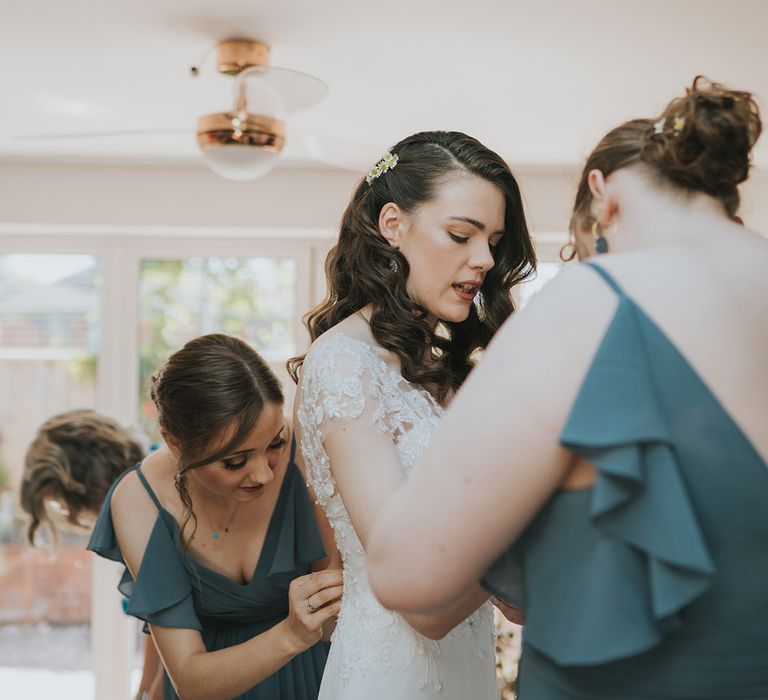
[[216, 534]]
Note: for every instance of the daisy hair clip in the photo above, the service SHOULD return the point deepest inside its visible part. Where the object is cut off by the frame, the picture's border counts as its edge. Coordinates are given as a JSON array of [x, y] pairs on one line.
[[677, 125], [388, 162]]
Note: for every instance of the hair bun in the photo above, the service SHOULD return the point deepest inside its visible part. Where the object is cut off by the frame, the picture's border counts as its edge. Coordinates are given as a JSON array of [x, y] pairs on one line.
[[702, 141]]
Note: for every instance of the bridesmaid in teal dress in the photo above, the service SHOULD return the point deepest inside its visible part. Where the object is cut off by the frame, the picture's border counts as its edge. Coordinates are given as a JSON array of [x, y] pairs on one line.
[[605, 466], [225, 558]]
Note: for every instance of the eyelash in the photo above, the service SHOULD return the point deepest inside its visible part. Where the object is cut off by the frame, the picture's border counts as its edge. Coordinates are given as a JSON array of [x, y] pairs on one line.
[[277, 445], [234, 466], [461, 240]]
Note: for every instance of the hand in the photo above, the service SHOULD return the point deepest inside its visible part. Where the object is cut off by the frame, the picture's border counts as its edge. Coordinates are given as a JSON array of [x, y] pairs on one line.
[[513, 614], [313, 600]]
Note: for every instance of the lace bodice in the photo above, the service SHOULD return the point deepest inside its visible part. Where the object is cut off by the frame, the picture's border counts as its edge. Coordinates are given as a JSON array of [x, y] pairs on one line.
[[346, 382]]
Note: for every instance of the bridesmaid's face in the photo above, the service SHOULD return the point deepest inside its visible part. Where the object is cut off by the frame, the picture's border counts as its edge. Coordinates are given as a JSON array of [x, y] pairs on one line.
[[248, 471], [448, 243]]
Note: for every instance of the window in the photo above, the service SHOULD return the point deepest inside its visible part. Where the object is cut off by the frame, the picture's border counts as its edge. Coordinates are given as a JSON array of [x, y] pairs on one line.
[[254, 298], [49, 348], [84, 320]]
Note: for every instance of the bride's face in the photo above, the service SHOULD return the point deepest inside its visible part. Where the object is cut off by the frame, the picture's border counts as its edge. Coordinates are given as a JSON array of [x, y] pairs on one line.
[[448, 243]]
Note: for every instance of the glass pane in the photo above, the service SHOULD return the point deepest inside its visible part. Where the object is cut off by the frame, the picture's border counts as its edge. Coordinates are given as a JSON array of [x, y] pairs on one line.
[[49, 341], [253, 298]]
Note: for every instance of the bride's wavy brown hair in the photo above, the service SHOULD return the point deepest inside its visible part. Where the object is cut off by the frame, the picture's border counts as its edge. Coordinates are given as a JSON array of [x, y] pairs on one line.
[[363, 268]]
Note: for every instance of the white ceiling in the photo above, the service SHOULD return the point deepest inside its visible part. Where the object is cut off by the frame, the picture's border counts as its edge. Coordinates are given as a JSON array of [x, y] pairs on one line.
[[539, 81]]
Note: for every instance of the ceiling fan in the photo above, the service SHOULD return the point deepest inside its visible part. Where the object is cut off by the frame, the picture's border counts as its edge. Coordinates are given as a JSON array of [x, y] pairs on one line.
[[244, 142]]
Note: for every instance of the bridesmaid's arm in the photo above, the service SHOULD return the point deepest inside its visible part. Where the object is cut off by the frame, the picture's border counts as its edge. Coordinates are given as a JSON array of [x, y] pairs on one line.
[[436, 625], [366, 490], [198, 674], [513, 614], [151, 673], [495, 459]]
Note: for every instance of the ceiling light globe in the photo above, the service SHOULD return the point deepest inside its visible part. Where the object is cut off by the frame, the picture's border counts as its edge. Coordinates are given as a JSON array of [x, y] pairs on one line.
[[243, 151]]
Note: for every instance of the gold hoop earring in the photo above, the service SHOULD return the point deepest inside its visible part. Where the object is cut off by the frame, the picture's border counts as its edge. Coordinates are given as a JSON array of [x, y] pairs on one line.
[[570, 247], [601, 243]]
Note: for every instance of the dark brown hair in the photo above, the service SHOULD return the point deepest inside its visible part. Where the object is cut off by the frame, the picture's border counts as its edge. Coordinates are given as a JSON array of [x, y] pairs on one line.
[[209, 396], [700, 143], [73, 460], [363, 268]]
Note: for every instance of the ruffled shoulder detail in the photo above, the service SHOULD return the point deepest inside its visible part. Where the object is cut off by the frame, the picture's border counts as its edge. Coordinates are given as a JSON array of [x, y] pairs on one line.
[[162, 592], [298, 542], [103, 540], [613, 566]]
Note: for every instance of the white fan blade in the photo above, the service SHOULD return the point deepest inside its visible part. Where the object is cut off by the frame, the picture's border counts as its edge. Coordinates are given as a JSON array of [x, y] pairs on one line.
[[342, 153], [97, 134]]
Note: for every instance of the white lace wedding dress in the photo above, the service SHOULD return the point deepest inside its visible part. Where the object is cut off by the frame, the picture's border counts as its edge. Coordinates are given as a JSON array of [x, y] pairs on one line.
[[374, 652]]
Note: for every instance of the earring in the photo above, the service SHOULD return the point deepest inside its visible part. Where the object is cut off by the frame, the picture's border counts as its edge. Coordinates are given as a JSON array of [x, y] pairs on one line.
[[393, 265], [601, 243], [568, 251]]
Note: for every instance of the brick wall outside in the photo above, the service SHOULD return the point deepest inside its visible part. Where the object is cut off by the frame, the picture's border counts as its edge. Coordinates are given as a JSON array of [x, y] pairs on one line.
[[45, 586]]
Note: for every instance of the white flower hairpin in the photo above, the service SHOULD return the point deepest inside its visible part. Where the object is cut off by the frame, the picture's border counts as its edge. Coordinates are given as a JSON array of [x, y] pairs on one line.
[[678, 123], [388, 162]]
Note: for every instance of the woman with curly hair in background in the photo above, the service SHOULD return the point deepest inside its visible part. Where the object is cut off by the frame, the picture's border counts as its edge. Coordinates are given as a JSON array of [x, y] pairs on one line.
[[69, 468]]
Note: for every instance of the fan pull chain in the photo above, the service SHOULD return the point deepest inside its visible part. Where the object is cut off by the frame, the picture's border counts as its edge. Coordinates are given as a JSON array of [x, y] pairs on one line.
[[194, 70]]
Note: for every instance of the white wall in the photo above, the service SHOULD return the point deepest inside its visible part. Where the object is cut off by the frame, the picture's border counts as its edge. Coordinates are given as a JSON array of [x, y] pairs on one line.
[[179, 196], [549, 195], [113, 195]]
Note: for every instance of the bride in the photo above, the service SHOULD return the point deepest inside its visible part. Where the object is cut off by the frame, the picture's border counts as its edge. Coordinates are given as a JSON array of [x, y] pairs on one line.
[[430, 247]]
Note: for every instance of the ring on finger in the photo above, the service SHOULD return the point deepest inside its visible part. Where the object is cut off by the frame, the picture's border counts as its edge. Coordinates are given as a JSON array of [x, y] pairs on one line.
[[310, 607]]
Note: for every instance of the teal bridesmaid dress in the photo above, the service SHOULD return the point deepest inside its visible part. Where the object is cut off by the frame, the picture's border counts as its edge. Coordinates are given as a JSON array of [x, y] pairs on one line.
[[172, 589], [653, 583]]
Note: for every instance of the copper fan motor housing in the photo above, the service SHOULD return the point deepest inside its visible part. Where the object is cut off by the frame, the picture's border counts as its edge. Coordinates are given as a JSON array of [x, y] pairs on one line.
[[240, 127], [236, 55]]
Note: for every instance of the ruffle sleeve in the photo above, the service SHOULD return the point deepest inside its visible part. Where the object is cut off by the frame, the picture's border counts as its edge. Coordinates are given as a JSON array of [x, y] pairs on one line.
[[610, 569], [161, 594]]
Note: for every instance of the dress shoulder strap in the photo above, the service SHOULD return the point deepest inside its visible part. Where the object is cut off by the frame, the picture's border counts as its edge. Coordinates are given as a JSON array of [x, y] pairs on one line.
[[612, 283], [148, 487]]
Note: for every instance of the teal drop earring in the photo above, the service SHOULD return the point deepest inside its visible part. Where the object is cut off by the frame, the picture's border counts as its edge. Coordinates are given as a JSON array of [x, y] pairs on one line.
[[601, 243]]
